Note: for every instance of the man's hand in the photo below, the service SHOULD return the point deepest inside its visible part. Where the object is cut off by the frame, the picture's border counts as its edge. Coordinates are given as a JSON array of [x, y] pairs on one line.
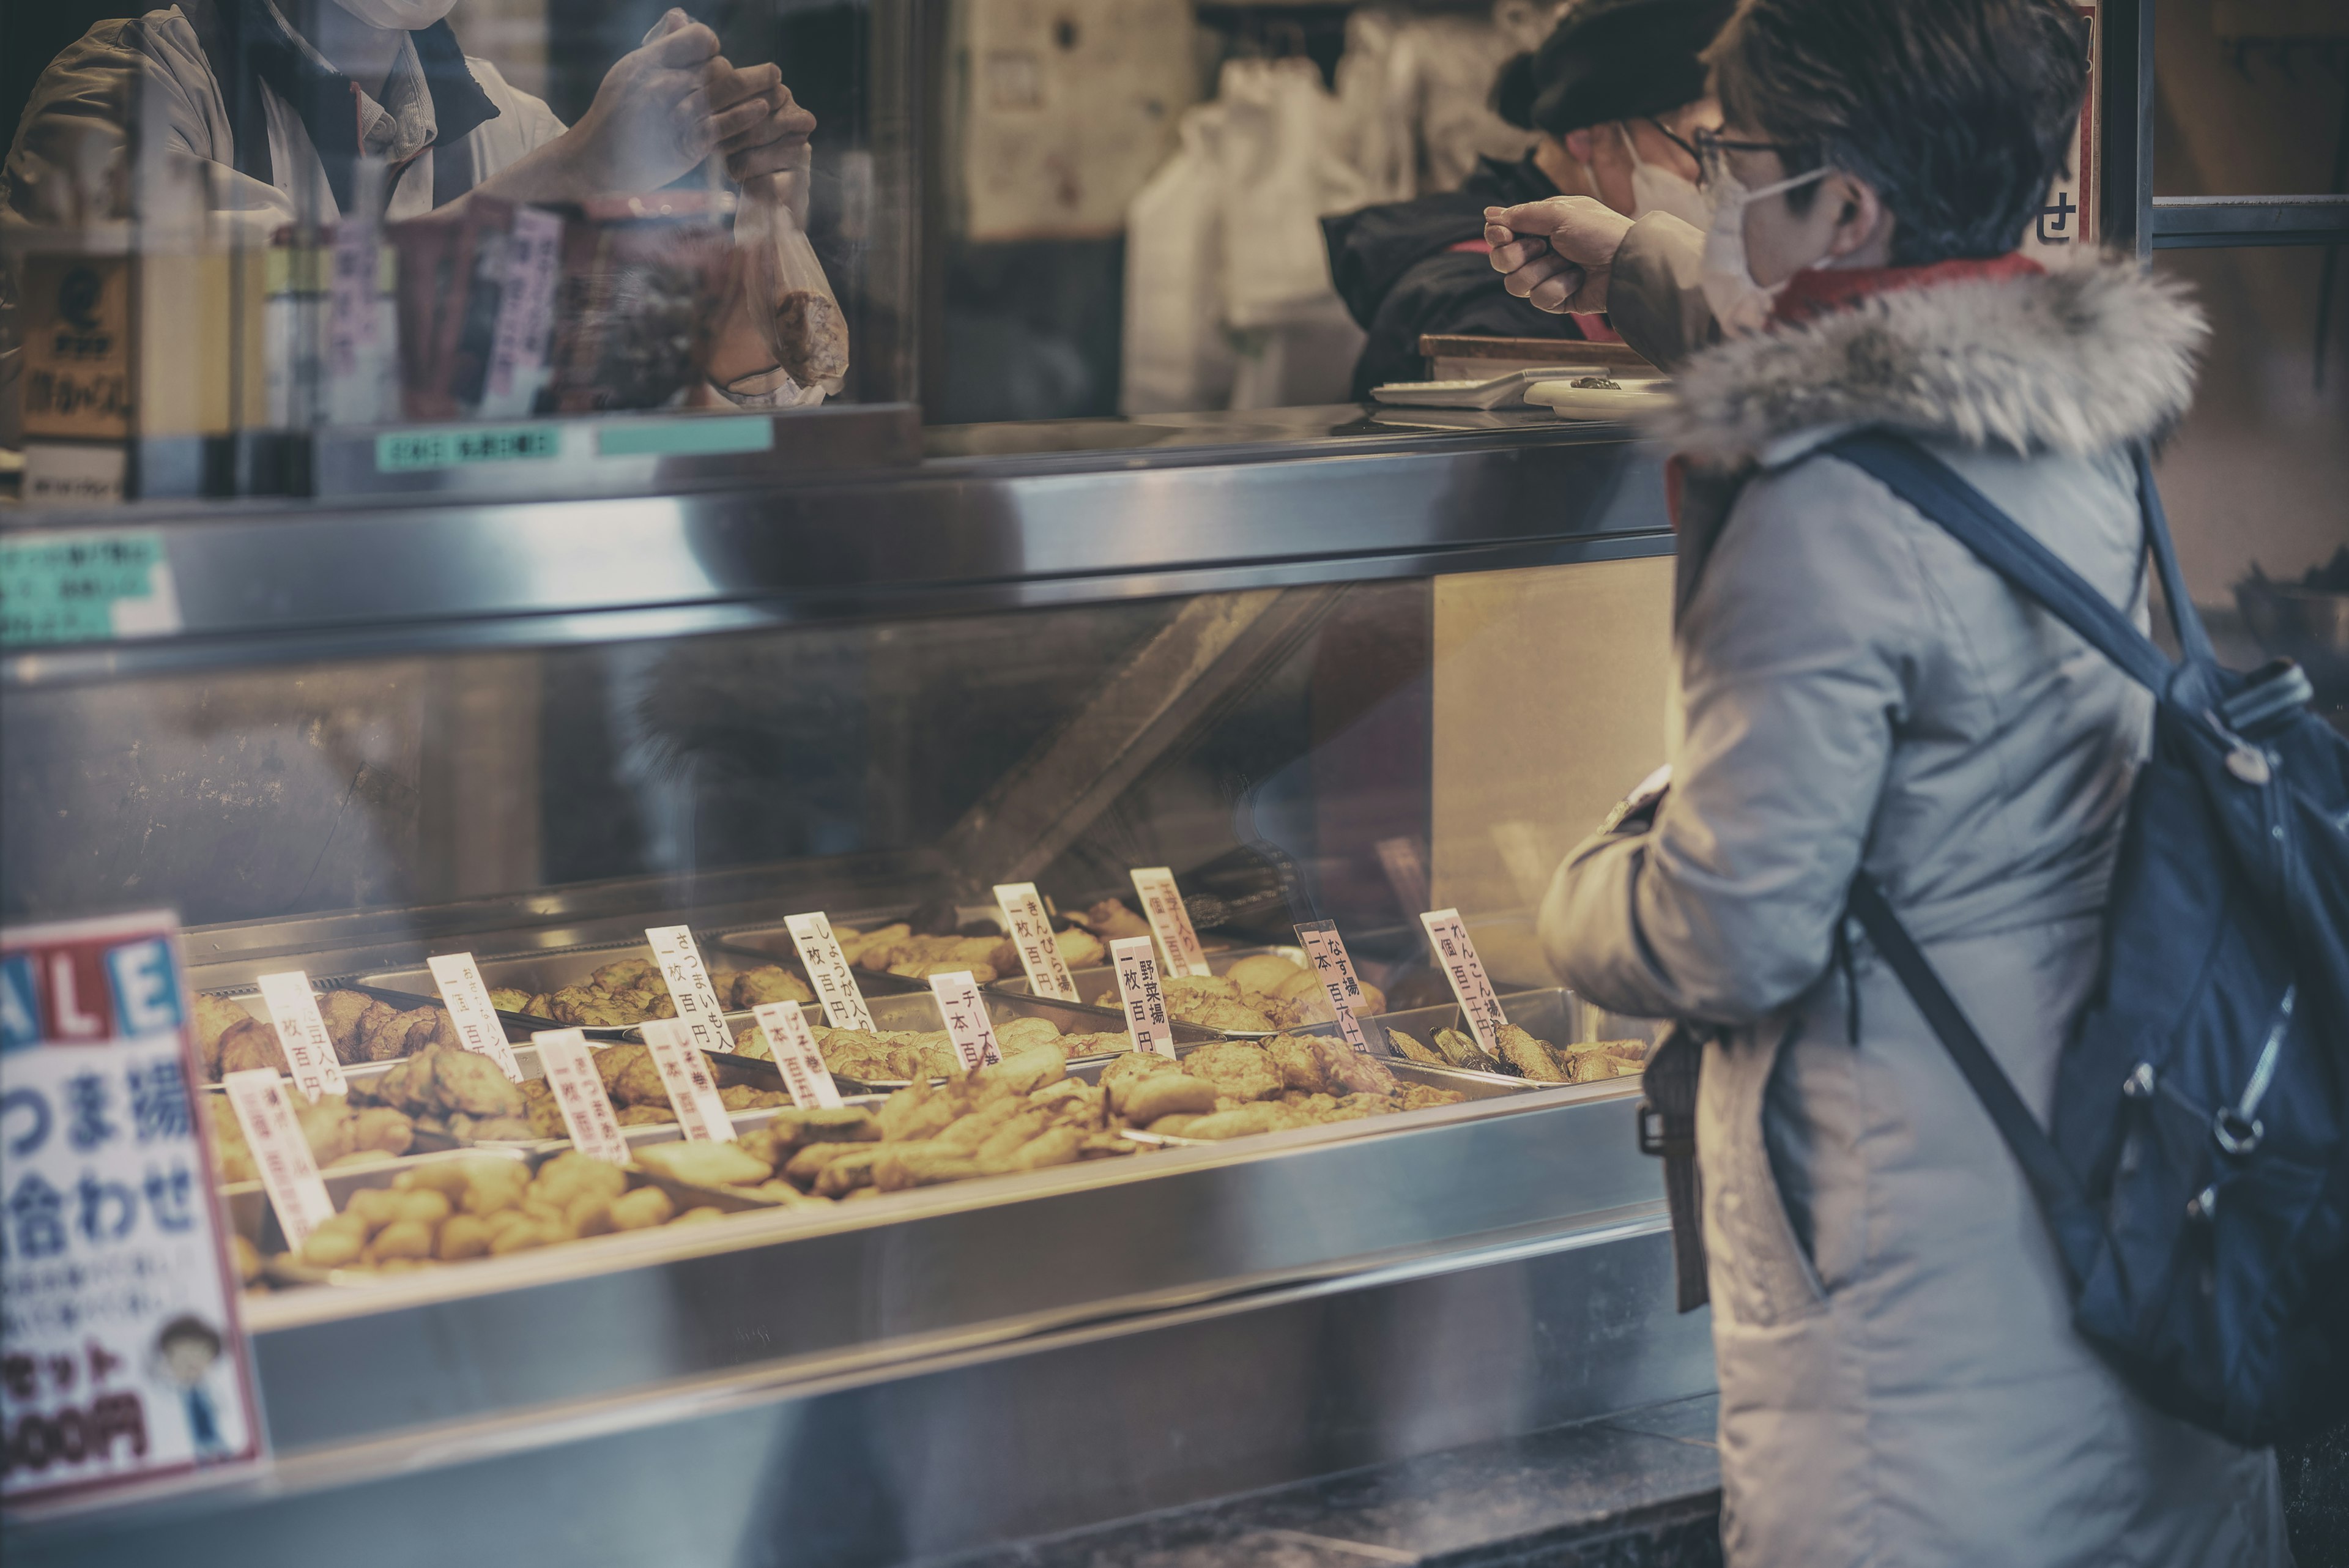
[[756, 123], [1557, 255], [664, 106]]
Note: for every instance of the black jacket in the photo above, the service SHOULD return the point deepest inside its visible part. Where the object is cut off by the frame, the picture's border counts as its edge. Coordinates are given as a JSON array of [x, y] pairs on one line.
[[1396, 271]]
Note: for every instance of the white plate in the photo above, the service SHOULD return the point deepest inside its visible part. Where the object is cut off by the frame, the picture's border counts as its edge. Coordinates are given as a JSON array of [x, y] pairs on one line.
[[1626, 401]]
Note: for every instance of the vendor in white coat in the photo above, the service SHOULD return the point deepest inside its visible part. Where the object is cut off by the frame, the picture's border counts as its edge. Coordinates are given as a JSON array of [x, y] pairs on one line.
[[1900, 1382], [273, 120]]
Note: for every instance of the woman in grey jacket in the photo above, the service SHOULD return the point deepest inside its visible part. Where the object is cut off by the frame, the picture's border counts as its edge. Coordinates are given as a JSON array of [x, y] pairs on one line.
[[1900, 1384]]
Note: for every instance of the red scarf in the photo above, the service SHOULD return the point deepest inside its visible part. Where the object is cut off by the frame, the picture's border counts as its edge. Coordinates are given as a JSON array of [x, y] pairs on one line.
[[1815, 291]]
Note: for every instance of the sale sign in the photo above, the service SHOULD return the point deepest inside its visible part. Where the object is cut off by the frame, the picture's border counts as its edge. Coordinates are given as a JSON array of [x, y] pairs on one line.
[[120, 1354]]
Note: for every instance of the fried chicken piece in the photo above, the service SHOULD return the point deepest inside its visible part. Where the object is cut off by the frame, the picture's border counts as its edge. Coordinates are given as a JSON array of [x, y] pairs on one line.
[[1301, 1066], [1269, 973], [1239, 1071], [387, 1035], [644, 1115], [1079, 949], [770, 982], [341, 1011], [1246, 1121], [508, 999], [626, 974], [640, 1084], [1420, 1097], [379, 1127], [249, 1044], [213, 1017], [474, 1086], [1130, 1067], [1017, 1035], [324, 1123], [545, 1114]]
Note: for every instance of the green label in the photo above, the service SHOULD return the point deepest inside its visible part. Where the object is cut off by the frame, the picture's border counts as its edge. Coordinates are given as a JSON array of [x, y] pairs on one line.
[[689, 436], [84, 587], [410, 452]]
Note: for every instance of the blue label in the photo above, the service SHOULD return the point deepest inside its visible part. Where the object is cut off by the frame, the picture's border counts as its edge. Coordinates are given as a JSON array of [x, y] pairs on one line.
[[411, 452]]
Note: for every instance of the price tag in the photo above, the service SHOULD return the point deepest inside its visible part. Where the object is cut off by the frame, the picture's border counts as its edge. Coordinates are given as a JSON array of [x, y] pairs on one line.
[[1146, 1003], [309, 1049], [689, 986], [966, 1021], [1031, 933], [257, 1095], [1448, 934], [467, 997], [1170, 922], [829, 973], [1406, 871], [1326, 951], [569, 1063], [793, 1046], [685, 1074]]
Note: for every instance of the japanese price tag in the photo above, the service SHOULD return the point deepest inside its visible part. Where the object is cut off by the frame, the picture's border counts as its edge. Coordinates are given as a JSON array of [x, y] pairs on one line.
[[569, 1064], [279, 1148], [966, 1021], [828, 971], [467, 998], [1031, 933], [685, 1074], [1325, 951], [309, 1049], [1146, 1003], [1170, 922], [689, 986], [120, 1357], [1406, 871], [1447, 933], [793, 1046]]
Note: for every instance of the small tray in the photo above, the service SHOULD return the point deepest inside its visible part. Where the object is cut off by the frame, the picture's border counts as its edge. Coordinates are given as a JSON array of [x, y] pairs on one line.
[[1552, 1013], [1103, 980]]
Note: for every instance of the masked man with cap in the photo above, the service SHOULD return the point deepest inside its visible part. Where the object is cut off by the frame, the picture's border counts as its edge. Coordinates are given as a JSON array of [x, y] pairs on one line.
[[271, 121], [1617, 93]]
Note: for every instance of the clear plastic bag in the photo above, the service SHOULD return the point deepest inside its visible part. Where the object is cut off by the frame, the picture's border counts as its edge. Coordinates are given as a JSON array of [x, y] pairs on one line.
[[801, 324]]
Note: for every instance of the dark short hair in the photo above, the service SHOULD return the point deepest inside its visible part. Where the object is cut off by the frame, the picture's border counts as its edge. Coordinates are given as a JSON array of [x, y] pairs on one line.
[[187, 1326], [1611, 59], [1960, 112]]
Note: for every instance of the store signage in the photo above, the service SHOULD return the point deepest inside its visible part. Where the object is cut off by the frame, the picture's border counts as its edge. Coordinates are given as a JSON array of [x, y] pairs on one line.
[[1031, 933], [569, 1064], [309, 1049], [1406, 870], [685, 1074], [1145, 1003], [1447, 933], [828, 970], [1170, 922], [84, 587], [467, 997], [793, 1044], [120, 1357], [1325, 951], [281, 1151], [689, 986], [418, 451], [966, 1023]]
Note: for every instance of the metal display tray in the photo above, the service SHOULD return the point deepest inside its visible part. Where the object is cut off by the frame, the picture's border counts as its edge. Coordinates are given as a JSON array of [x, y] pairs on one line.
[[1095, 981], [1553, 1014], [918, 1013]]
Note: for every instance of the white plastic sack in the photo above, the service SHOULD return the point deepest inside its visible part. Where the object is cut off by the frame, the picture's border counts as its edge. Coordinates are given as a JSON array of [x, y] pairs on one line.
[[1177, 355]]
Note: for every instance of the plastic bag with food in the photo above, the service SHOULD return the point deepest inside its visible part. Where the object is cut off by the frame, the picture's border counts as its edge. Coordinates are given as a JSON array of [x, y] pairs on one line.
[[798, 318]]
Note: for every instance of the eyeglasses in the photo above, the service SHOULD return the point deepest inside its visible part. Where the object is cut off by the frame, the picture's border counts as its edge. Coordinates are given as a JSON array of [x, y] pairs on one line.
[[1711, 149]]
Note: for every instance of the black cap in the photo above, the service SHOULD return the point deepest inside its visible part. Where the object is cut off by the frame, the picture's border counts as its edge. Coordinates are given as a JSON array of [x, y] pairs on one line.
[[1611, 59]]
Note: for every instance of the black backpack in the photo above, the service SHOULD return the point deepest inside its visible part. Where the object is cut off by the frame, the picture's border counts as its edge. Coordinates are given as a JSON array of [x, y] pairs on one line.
[[2195, 1175]]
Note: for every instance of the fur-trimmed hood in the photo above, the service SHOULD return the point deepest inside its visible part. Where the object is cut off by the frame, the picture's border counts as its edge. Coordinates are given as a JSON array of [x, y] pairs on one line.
[[2079, 360]]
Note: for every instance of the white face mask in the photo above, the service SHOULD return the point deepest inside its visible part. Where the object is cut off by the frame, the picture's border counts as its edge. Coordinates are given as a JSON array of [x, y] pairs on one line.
[[398, 16], [1656, 189], [1739, 304]]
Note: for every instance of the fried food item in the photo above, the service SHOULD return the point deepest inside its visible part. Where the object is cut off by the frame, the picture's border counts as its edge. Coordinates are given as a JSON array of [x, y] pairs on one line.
[[1531, 1057], [1267, 972], [1111, 922], [624, 991], [704, 1164], [1079, 949], [1129, 1068], [916, 968], [508, 999], [1602, 1059], [1239, 1070], [446, 1089], [249, 1044], [474, 1086], [767, 983], [900, 1165], [1244, 1121], [1157, 1094], [341, 1011], [1413, 1051], [1017, 1035], [212, 1017]]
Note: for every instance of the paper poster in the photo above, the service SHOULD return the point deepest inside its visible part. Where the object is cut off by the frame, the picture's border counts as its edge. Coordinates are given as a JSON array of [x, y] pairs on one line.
[[121, 1358]]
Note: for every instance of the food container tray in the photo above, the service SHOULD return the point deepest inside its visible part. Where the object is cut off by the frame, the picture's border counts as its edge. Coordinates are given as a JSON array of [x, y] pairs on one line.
[[912, 1014], [1102, 980], [1552, 1013], [1474, 1086]]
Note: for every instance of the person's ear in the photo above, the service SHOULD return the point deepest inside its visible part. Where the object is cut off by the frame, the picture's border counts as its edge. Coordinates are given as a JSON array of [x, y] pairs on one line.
[[1860, 214], [1577, 146]]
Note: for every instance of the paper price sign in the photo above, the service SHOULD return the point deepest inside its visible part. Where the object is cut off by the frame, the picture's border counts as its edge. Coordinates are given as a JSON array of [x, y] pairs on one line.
[[1170, 922], [1447, 933], [569, 1064], [467, 998], [296, 1191], [1325, 950], [1145, 1003], [309, 1049], [1031, 933], [792, 1044], [828, 971], [966, 1021], [689, 986], [685, 1074]]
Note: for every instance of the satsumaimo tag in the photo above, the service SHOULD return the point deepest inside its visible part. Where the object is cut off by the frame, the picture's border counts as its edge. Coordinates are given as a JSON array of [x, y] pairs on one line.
[[1031, 933], [1170, 922], [569, 1064], [828, 970], [689, 986], [467, 997], [685, 1074], [967, 1026], [1447, 933], [309, 1049], [1145, 1002], [793, 1044]]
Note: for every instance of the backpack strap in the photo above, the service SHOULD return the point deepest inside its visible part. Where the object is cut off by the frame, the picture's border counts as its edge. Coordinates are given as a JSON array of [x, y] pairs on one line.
[[1928, 484], [2184, 618]]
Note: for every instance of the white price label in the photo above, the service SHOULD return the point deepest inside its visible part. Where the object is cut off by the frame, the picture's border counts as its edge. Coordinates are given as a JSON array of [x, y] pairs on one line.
[[309, 1049], [1146, 1003], [1325, 950], [1447, 933], [569, 1064], [467, 997], [689, 986], [1031, 933], [792, 1044], [291, 1175], [1406, 871], [828, 971], [1170, 922], [685, 1074], [966, 1021]]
